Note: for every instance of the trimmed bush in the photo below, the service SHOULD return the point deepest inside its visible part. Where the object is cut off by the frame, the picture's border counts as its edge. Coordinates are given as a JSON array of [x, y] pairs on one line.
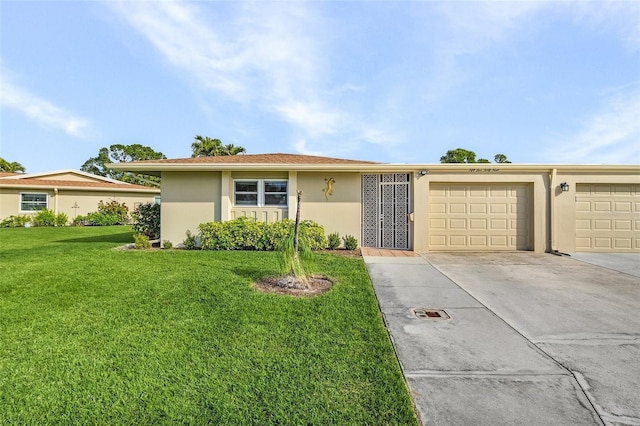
[[101, 219], [113, 208], [350, 242], [249, 234], [18, 221], [141, 242], [166, 244], [62, 219], [44, 218], [146, 220], [190, 243], [333, 241]]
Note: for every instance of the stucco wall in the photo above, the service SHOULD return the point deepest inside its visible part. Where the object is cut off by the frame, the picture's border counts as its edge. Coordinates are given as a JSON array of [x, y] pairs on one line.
[[188, 199], [341, 212]]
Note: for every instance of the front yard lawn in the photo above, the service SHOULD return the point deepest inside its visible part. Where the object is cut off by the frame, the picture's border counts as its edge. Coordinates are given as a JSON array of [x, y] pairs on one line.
[[91, 335]]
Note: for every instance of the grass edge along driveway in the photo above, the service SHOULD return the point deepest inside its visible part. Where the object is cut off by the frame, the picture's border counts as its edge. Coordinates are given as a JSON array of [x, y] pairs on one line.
[[93, 335]]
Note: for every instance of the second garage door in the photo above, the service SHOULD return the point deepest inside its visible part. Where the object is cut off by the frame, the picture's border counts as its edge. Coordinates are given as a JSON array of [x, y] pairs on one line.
[[608, 218], [479, 217]]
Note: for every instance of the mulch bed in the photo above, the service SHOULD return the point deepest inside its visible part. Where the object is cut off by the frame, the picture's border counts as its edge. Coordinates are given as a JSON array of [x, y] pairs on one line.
[[316, 284]]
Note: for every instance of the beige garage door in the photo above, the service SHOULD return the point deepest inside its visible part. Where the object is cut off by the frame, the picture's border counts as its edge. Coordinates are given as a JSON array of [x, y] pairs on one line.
[[487, 217], [608, 218]]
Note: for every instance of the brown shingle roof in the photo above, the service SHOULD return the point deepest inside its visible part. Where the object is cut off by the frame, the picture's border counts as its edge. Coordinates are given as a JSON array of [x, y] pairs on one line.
[[72, 183], [258, 159]]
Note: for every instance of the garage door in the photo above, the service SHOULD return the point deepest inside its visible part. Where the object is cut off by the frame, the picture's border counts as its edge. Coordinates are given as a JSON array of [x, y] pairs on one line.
[[608, 218], [486, 217]]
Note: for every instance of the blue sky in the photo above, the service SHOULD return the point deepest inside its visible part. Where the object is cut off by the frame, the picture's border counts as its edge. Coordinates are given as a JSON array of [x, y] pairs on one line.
[[389, 81]]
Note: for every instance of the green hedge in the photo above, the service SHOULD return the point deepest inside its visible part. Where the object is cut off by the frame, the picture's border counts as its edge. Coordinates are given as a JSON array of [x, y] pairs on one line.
[[249, 234]]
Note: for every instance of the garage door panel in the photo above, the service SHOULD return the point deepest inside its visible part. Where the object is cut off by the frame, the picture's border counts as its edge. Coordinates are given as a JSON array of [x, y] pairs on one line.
[[457, 224], [479, 217], [476, 208], [607, 217], [479, 241], [498, 208], [457, 208], [622, 206], [478, 224], [583, 224], [499, 224], [622, 225], [438, 224], [477, 192], [623, 243]]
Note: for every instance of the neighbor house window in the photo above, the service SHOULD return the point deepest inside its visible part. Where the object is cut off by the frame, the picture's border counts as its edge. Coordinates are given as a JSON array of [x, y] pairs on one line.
[[260, 193], [30, 202]]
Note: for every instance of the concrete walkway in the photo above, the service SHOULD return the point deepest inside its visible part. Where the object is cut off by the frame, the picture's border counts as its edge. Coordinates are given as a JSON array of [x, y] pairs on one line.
[[473, 368]]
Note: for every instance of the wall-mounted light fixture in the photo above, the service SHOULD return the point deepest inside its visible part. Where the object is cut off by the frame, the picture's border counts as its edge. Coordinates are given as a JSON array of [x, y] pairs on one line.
[[564, 186], [423, 172]]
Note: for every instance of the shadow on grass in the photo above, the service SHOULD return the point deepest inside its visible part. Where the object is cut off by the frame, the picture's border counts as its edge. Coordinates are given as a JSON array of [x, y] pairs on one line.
[[125, 237], [254, 274]]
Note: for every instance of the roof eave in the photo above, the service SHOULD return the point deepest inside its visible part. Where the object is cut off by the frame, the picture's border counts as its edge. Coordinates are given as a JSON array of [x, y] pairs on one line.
[[157, 168], [77, 188]]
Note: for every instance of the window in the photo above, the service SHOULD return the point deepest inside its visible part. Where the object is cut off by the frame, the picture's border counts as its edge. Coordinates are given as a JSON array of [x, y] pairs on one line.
[[260, 193], [275, 193], [246, 193], [30, 202]]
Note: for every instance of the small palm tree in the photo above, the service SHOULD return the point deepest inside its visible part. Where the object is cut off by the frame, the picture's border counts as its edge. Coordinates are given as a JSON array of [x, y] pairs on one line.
[[294, 252], [13, 167], [205, 146]]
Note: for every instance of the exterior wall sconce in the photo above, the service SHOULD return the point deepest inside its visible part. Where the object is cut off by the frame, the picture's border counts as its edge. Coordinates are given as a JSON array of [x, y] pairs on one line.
[[564, 186], [423, 172]]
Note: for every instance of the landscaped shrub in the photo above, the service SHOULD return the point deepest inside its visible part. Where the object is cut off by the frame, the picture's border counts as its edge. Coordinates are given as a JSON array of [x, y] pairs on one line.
[[141, 242], [108, 214], [249, 234], [333, 241], [45, 218], [114, 208], [190, 243], [350, 242], [101, 219], [18, 221], [166, 244], [146, 220], [79, 220], [62, 219]]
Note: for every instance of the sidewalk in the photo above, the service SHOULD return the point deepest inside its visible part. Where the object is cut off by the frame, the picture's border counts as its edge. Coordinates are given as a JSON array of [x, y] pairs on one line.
[[471, 368]]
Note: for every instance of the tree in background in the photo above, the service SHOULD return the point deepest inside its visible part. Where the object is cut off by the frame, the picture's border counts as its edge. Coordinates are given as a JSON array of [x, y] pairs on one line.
[[204, 146], [123, 153], [461, 155], [458, 155], [501, 158], [13, 167]]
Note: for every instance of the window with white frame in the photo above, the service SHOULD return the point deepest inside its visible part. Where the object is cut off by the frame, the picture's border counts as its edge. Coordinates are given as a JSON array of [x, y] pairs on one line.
[[260, 192], [31, 201]]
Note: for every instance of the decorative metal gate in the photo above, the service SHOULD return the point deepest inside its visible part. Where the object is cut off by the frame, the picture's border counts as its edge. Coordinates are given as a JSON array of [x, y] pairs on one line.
[[385, 210]]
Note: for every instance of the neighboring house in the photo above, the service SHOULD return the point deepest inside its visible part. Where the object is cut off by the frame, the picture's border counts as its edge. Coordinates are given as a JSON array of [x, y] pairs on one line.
[[421, 207], [72, 192]]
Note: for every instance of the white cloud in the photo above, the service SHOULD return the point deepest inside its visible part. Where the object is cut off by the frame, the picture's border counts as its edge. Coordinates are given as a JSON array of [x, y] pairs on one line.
[[272, 57], [39, 109], [469, 29], [611, 135]]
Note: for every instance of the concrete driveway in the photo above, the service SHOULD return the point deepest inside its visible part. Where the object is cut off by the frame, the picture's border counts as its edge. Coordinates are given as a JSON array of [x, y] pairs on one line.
[[531, 339]]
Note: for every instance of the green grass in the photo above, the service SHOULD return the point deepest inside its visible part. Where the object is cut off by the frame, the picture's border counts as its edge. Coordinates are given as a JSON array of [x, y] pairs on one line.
[[90, 335]]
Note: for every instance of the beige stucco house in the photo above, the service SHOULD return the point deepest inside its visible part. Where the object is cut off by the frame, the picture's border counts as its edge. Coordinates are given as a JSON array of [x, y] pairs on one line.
[[71, 192], [420, 207]]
